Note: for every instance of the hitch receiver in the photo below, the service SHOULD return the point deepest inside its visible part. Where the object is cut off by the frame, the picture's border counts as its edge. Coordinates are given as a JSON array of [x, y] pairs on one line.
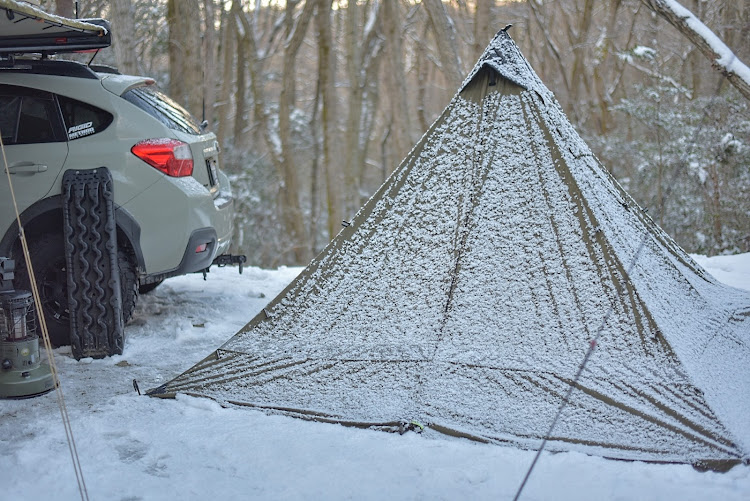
[[229, 259]]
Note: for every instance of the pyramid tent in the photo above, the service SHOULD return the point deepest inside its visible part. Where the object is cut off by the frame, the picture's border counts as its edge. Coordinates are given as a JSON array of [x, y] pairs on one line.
[[465, 294]]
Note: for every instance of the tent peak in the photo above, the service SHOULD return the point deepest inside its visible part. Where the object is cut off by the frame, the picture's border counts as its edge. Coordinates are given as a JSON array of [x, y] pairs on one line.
[[503, 56]]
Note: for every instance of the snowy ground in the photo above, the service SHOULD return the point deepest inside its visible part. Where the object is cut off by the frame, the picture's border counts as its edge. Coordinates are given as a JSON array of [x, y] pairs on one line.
[[139, 448]]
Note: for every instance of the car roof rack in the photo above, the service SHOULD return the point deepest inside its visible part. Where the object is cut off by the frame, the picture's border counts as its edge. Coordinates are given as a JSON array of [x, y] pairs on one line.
[[26, 29], [48, 67], [104, 68]]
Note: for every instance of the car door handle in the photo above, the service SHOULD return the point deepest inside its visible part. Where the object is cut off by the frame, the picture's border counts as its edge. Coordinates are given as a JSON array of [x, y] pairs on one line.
[[26, 168]]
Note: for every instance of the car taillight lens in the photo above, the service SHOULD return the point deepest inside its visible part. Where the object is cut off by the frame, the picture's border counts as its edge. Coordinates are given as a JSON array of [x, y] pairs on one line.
[[170, 156]]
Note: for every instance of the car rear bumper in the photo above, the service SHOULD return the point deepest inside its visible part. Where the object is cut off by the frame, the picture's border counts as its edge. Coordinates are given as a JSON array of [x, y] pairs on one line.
[[201, 250]]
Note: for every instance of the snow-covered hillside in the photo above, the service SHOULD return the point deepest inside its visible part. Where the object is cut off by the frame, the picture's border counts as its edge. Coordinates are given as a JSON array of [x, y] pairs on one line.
[[134, 447]]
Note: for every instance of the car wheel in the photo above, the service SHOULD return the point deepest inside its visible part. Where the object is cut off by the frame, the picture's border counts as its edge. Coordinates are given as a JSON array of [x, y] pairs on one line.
[[52, 280], [146, 288], [49, 270]]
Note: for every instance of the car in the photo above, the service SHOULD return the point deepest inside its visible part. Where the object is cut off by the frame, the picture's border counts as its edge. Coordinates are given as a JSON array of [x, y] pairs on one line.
[[172, 204]]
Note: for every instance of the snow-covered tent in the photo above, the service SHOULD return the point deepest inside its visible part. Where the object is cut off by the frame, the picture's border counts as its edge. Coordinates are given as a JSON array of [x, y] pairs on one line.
[[466, 292]]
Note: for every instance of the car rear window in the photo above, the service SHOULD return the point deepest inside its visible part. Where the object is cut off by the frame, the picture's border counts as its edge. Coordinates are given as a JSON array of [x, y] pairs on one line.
[[82, 119], [163, 108]]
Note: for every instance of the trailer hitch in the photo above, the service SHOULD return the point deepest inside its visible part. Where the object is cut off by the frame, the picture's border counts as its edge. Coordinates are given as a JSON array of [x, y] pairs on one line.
[[230, 259]]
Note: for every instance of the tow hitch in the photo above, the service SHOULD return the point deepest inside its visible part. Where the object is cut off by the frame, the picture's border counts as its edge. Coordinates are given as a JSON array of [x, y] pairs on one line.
[[227, 260]]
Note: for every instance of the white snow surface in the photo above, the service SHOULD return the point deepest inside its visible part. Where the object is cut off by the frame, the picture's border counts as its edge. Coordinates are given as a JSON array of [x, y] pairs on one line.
[[140, 448]]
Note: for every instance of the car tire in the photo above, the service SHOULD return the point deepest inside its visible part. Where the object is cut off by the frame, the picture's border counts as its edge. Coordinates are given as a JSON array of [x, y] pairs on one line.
[[47, 255], [50, 271], [128, 283], [146, 288]]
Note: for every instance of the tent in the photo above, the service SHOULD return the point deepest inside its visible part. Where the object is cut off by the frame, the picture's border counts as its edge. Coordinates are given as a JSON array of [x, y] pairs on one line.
[[466, 292]]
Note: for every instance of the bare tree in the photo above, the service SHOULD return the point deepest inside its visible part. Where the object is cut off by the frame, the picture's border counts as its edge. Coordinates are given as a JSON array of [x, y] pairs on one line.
[[224, 106], [445, 35], [123, 32], [64, 8], [185, 61], [210, 55], [399, 128], [482, 26], [722, 58], [326, 75], [364, 48]]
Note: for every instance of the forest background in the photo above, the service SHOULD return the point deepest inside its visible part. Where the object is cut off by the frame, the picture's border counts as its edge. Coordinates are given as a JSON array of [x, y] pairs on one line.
[[315, 102]]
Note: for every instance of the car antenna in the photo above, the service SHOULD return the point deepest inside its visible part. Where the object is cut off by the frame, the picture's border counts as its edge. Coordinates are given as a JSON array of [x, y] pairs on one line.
[[77, 12]]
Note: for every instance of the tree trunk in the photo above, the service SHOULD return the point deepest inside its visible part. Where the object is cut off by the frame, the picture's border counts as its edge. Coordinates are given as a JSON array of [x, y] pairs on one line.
[[240, 95], [65, 8], [123, 32], [328, 116], [354, 115], [210, 69], [185, 61], [224, 103], [482, 26], [715, 204], [363, 49], [293, 216], [445, 35], [401, 132]]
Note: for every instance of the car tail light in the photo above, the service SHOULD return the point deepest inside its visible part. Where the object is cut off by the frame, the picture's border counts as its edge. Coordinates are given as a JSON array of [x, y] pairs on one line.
[[170, 156]]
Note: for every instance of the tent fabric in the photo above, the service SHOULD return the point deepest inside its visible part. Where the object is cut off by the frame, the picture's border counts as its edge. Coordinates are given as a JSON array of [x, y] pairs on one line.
[[467, 290]]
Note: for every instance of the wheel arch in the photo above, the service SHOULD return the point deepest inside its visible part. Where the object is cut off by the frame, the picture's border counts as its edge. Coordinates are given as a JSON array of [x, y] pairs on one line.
[[46, 216]]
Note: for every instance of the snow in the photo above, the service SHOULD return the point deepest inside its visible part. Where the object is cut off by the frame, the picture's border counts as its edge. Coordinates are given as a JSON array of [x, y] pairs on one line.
[[475, 277], [136, 447], [50, 20], [726, 58], [644, 52], [475, 280]]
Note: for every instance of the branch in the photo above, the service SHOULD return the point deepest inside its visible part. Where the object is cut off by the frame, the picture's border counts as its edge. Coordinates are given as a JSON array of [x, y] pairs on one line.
[[722, 58]]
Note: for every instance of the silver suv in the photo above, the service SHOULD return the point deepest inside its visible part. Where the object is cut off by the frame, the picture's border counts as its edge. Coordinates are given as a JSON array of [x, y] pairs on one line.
[[173, 206]]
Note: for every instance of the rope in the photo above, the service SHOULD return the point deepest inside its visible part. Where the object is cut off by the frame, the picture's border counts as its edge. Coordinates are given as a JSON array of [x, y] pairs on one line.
[[594, 341], [45, 336]]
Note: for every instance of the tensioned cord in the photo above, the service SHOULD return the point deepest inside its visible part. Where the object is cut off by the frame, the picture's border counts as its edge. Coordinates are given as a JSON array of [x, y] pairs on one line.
[[45, 336]]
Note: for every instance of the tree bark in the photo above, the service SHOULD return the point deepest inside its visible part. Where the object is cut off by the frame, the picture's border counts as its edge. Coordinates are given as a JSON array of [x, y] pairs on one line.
[[326, 72], [185, 61], [123, 32], [293, 216], [210, 69], [722, 58], [65, 8], [482, 26], [363, 49], [224, 103], [240, 95], [401, 135], [445, 35]]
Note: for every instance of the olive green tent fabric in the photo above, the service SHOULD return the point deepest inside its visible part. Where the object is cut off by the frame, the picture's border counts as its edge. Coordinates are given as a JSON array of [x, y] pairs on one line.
[[467, 290]]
